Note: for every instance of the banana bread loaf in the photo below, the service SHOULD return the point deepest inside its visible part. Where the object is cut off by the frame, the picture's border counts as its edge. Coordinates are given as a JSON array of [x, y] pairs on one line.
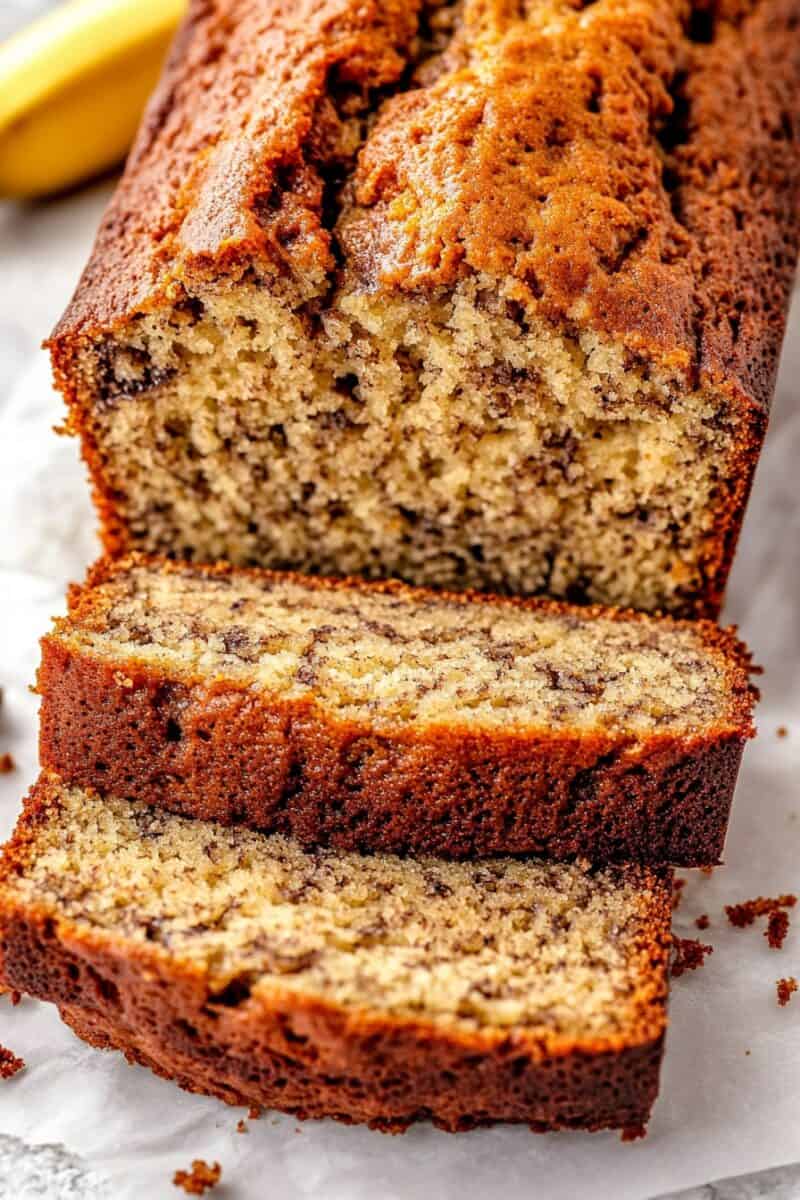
[[476, 293], [382, 717], [371, 988]]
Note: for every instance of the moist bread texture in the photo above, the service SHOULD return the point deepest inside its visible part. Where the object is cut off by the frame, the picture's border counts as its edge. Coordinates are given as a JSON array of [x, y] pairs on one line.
[[383, 717], [365, 988], [478, 294]]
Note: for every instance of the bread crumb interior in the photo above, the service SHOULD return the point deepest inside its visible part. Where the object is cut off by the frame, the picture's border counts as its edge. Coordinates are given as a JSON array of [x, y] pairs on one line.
[[492, 944], [452, 443], [392, 660]]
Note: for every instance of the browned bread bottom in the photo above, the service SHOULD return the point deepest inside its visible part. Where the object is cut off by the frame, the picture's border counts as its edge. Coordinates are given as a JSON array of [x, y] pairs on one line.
[[367, 989], [380, 717], [387, 1080]]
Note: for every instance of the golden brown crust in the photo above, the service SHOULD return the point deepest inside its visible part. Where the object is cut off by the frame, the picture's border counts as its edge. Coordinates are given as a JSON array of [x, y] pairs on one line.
[[620, 158], [228, 753], [213, 186], [314, 1059]]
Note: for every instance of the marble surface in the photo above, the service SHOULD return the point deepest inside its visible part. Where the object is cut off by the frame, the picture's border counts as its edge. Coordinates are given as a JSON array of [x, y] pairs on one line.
[[783, 1183], [42, 248]]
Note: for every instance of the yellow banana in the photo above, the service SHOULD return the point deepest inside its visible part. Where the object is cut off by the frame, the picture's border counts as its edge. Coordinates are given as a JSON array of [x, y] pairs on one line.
[[72, 89]]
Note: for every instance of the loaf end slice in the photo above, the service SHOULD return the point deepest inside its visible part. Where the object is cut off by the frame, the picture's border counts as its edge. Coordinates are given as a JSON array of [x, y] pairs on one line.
[[381, 717], [369, 989]]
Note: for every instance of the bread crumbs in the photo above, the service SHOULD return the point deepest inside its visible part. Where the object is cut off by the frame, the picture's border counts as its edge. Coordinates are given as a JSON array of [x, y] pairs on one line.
[[777, 928], [677, 892], [772, 907], [7, 764], [703, 921], [10, 1064], [782, 731], [688, 955], [785, 989], [241, 1126], [201, 1179]]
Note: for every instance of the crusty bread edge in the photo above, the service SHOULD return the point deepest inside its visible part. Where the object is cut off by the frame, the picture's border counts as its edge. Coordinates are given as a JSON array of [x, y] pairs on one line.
[[224, 751]]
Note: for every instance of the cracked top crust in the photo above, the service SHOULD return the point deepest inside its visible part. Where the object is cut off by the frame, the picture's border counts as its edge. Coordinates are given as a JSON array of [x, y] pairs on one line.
[[627, 165]]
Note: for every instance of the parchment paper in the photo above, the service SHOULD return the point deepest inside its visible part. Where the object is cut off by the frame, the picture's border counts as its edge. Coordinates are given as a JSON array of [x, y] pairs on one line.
[[730, 1097]]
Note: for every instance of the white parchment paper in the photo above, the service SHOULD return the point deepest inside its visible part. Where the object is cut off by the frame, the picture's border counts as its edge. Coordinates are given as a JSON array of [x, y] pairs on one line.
[[730, 1097]]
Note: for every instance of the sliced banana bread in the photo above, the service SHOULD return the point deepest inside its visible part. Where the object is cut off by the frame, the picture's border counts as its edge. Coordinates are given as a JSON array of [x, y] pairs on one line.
[[469, 292], [325, 983], [381, 717]]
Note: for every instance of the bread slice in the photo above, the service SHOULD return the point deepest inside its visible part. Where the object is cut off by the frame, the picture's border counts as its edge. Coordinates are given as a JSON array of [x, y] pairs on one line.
[[324, 983], [380, 717], [468, 292]]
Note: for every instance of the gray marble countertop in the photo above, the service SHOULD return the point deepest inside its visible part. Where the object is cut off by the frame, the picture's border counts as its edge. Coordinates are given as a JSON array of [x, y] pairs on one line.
[[42, 248]]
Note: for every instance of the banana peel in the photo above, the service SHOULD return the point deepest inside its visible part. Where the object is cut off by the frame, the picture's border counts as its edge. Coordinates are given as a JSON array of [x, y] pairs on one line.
[[73, 86]]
